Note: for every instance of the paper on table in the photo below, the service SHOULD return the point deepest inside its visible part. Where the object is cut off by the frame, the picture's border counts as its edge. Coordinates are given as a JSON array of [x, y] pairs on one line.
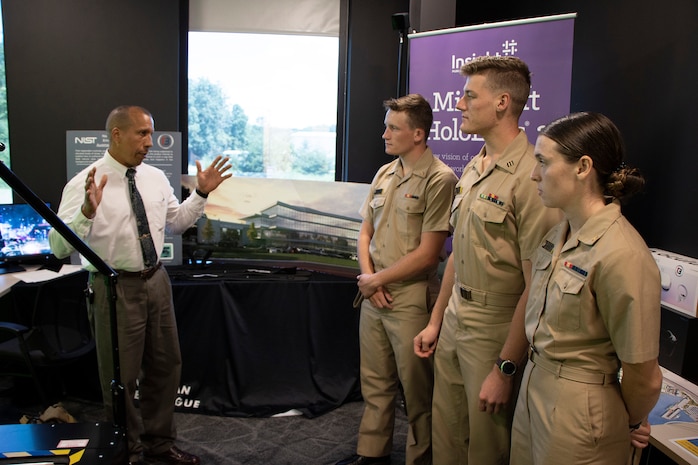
[[38, 276], [689, 444]]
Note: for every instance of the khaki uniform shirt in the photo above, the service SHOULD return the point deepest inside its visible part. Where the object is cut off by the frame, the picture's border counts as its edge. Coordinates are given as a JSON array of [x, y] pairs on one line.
[[401, 208], [498, 221], [595, 297]]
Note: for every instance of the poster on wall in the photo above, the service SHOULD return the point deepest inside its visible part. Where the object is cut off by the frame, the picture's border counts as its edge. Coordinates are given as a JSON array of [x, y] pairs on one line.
[[436, 57], [85, 147]]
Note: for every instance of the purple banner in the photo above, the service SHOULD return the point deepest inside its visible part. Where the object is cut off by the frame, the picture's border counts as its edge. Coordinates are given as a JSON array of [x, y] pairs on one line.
[[545, 44]]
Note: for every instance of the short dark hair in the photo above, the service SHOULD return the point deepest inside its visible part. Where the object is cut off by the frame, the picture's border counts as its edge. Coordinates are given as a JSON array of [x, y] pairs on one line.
[[418, 110], [595, 135], [120, 117], [504, 74]]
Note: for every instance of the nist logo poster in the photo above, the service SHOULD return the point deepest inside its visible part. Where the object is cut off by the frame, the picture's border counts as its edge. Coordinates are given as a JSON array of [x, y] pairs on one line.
[[85, 147], [545, 44]]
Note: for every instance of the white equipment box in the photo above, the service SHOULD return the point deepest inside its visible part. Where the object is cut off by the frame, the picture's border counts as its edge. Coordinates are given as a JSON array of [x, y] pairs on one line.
[[679, 277]]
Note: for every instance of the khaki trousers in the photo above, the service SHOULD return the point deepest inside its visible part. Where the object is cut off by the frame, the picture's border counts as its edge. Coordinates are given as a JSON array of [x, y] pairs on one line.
[[470, 341], [387, 359], [559, 421]]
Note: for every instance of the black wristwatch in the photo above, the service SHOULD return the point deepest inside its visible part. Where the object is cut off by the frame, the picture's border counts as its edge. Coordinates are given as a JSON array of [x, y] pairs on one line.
[[507, 367]]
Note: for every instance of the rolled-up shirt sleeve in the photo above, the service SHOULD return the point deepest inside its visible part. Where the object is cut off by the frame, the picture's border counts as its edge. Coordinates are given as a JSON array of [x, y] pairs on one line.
[[70, 212]]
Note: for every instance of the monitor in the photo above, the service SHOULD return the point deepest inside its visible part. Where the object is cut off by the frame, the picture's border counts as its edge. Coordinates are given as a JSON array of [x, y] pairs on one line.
[[23, 237]]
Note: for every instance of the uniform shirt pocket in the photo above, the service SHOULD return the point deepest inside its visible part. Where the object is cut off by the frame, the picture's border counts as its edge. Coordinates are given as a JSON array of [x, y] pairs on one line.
[[540, 272], [570, 285], [377, 202], [410, 216], [411, 205], [491, 223], [542, 261], [489, 212]]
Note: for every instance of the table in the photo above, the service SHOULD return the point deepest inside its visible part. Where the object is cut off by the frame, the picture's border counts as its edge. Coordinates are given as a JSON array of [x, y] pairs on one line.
[[673, 417], [7, 280], [662, 438], [261, 341], [258, 340], [26, 283], [33, 274]]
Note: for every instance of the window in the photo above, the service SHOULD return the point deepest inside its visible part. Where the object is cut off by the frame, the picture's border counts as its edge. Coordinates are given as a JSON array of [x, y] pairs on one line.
[[5, 190], [268, 101]]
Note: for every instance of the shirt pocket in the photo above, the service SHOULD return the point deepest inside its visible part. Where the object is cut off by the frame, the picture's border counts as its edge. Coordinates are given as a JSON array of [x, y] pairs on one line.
[[539, 281], [377, 202], [491, 217], [410, 217], [489, 212], [156, 210], [569, 310], [541, 261]]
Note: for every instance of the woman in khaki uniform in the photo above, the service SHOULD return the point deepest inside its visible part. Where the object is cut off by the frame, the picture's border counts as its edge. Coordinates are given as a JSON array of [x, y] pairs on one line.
[[594, 308]]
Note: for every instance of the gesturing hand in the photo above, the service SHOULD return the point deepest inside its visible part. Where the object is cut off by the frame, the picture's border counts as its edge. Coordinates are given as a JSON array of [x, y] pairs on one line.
[[93, 193], [210, 178]]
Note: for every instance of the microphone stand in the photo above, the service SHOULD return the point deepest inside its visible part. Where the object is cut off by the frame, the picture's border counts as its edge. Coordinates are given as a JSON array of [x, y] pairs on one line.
[[401, 23], [117, 388], [401, 74]]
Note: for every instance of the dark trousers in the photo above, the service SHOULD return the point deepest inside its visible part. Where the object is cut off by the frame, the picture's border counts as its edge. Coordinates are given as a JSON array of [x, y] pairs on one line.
[[150, 359]]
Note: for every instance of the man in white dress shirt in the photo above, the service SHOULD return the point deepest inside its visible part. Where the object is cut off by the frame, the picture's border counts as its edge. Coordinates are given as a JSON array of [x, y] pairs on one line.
[[96, 205]]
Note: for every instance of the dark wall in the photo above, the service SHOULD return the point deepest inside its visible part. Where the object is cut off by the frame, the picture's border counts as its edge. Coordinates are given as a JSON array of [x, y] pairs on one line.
[[371, 48], [69, 62], [634, 60]]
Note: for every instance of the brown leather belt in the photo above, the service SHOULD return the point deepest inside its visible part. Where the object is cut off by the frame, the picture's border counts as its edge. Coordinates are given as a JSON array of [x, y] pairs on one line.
[[572, 373], [143, 274]]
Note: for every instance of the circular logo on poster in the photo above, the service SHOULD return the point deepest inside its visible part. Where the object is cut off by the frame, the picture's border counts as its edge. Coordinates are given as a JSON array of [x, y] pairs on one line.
[[165, 141]]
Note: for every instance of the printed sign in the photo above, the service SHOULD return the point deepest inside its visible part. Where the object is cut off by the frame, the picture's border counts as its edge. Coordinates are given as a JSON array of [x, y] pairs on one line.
[[436, 57]]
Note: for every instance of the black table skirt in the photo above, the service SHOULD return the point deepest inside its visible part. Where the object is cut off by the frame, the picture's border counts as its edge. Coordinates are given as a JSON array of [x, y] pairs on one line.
[[262, 342]]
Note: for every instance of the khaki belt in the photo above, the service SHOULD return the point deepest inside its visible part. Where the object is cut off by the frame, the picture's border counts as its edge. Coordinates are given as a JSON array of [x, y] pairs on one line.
[[488, 298], [358, 300], [573, 374], [143, 274]]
